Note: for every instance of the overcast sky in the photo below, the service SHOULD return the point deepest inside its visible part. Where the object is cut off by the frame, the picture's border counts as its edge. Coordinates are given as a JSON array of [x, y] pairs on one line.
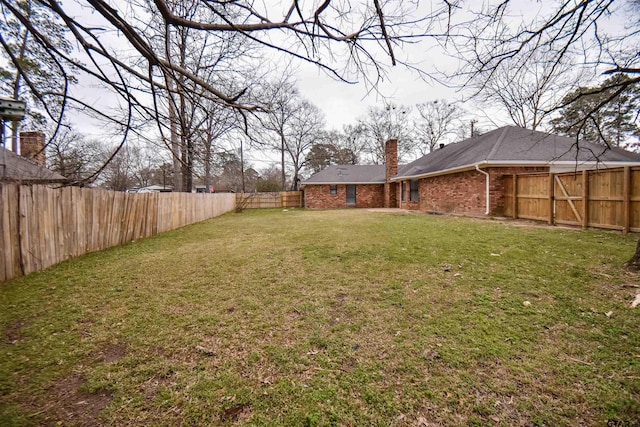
[[344, 103]]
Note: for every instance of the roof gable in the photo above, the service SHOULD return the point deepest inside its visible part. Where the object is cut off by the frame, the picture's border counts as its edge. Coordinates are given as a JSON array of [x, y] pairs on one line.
[[514, 145]]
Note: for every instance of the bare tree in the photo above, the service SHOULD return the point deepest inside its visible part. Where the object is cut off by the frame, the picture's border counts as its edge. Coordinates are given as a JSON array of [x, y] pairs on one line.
[[282, 102], [72, 155], [307, 129], [438, 119], [563, 32], [346, 40], [391, 121], [579, 31], [529, 92]]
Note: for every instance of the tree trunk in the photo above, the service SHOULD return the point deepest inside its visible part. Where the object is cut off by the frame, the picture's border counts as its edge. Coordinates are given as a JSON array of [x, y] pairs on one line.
[[634, 262], [283, 178], [242, 164]]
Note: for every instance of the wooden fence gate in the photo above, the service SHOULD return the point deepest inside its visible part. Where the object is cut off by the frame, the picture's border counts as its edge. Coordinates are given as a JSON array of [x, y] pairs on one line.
[[598, 198]]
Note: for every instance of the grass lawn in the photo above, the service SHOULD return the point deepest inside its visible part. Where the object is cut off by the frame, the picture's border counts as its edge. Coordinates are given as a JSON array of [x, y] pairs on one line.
[[305, 318]]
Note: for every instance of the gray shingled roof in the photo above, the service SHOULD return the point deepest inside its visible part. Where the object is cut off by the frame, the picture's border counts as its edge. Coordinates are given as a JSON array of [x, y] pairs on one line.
[[22, 169], [514, 145], [349, 174]]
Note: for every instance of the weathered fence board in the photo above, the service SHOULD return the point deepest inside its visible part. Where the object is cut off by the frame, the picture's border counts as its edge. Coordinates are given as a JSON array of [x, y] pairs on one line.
[[285, 199], [42, 226], [607, 198]]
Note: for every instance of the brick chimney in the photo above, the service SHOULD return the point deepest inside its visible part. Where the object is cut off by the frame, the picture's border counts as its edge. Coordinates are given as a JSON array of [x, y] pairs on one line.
[[391, 168], [32, 146]]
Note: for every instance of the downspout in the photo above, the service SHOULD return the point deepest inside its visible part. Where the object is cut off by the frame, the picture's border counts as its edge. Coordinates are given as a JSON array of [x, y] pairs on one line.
[[487, 199]]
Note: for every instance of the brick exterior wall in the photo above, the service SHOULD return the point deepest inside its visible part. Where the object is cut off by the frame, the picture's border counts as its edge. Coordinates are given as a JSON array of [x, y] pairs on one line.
[[391, 168], [367, 196], [464, 192], [32, 146]]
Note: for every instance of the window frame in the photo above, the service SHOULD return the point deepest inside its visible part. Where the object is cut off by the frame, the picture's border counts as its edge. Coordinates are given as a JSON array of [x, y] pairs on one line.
[[403, 191], [333, 189]]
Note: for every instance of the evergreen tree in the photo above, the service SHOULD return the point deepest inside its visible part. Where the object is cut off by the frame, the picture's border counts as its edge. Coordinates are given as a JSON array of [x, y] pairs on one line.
[[607, 114], [31, 72]]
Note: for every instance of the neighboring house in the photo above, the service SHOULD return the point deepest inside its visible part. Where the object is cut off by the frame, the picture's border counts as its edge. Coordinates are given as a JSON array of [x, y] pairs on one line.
[[29, 167], [465, 177], [354, 186]]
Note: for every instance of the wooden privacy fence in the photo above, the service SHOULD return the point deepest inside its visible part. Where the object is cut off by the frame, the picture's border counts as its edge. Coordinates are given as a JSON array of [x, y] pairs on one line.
[[285, 199], [42, 226], [607, 198]]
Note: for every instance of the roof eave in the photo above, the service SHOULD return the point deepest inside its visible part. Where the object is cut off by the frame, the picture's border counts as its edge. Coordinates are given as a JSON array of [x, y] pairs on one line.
[[435, 173], [515, 163], [341, 182]]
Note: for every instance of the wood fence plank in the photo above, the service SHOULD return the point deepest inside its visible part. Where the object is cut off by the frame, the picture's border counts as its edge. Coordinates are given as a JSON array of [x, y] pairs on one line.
[[514, 195], [551, 194], [585, 198], [626, 204], [568, 199], [24, 229], [5, 252]]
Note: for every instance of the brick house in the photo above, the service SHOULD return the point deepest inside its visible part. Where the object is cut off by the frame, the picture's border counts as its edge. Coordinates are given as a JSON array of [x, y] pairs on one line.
[[29, 166], [354, 186], [466, 177]]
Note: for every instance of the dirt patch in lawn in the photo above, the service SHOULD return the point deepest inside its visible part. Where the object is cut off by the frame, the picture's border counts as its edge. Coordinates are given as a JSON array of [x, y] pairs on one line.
[[13, 334], [236, 413], [69, 404], [112, 353]]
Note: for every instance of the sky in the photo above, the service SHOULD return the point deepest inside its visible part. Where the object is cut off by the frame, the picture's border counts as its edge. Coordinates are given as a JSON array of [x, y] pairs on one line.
[[344, 103]]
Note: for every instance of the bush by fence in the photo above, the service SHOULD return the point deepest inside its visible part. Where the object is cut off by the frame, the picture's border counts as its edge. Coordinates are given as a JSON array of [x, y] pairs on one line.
[[42, 226]]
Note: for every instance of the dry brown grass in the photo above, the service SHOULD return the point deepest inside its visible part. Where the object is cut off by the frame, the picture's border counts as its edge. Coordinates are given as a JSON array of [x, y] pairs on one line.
[[328, 318]]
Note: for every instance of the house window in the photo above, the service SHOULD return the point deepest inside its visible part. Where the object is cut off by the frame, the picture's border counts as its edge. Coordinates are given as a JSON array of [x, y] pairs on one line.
[[414, 195], [403, 191], [333, 190], [351, 194]]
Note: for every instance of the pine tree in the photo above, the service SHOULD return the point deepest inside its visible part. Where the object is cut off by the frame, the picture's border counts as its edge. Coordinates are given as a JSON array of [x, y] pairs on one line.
[[606, 114]]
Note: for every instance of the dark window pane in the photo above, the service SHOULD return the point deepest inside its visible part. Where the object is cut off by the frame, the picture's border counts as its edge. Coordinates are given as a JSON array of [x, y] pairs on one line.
[[351, 194], [415, 194]]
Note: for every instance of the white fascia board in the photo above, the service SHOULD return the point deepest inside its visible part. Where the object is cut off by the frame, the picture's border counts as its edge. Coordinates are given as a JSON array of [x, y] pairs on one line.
[[602, 164], [341, 183], [516, 163]]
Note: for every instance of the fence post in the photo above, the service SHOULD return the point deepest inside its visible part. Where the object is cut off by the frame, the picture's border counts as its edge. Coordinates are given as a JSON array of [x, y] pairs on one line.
[[626, 203], [585, 198], [514, 192], [551, 197]]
